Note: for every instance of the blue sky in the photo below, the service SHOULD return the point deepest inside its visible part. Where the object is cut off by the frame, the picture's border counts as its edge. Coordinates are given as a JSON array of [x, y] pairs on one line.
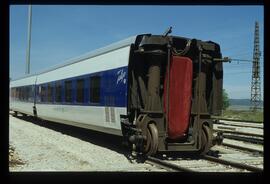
[[61, 32]]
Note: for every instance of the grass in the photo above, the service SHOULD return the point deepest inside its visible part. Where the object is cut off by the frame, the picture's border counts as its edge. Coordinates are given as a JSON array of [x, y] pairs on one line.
[[14, 160], [245, 115]]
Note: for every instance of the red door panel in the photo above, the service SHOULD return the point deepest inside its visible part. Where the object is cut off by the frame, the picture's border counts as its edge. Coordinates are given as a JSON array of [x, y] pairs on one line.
[[180, 89]]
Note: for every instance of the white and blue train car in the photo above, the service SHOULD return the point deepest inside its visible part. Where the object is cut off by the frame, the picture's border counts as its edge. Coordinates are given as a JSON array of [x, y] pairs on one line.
[[89, 91], [157, 91]]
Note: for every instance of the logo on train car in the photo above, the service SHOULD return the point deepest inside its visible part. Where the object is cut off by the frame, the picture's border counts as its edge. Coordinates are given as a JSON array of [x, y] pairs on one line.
[[121, 76]]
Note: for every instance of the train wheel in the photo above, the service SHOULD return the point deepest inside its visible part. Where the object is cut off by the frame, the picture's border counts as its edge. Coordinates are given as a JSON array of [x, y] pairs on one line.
[[206, 140], [152, 140]]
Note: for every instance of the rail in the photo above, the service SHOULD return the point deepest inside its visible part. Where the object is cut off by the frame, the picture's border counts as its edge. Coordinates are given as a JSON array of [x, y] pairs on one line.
[[242, 148], [174, 167], [245, 126], [233, 164], [238, 133], [238, 120], [166, 165], [244, 139]]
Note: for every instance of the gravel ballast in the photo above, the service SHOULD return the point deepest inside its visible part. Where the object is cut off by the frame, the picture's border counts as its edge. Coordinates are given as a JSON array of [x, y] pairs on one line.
[[43, 149]]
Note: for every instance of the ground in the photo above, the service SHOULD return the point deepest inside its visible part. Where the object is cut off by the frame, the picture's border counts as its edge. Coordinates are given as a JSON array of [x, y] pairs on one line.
[[34, 147]]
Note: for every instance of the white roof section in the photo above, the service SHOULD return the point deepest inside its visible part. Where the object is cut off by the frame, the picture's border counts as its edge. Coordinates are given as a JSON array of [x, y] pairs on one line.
[[114, 46], [106, 61], [30, 80]]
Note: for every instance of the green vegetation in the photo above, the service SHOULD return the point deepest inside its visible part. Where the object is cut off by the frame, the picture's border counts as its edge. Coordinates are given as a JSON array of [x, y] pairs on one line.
[[233, 112], [226, 102], [243, 115]]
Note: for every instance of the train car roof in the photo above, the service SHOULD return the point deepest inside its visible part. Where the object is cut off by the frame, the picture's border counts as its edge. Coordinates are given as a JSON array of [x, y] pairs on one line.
[[94, 53]]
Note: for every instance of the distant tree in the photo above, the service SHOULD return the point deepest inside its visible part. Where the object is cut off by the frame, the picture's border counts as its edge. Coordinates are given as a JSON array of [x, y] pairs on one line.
[[226, 102]]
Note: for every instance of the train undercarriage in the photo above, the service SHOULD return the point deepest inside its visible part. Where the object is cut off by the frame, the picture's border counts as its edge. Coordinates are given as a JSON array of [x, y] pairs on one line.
[[175, 85]]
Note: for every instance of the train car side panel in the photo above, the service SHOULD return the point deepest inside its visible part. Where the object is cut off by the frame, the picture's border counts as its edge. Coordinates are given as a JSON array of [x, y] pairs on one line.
[[92, 117], [104, 79], [24, 107]]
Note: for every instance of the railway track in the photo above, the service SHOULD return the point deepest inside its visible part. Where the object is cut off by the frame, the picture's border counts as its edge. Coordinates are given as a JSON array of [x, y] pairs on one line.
[[243, 143], [240, 124], [233, 164], [252, 140], [203, 164], [241, 132], [246, 137], [166, 165], [237, 120], [256, 139], [243, 148]]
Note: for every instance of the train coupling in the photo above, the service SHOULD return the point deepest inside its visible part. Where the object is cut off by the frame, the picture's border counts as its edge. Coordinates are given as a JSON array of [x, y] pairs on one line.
[[136, 138], [132, 135], [218, 139]]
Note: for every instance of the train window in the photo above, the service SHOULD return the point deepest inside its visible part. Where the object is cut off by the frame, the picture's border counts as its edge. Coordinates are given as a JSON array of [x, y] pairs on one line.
[[32, 93], [12, 92], [95, 89], [68, 91], [58, 88], [43, 93], [17, 94], [80, 90], [26, 91], [29, 93], [50, 93], [23, 94]]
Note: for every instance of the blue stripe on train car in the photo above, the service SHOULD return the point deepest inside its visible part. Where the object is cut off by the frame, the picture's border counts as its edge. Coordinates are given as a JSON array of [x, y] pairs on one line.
[[113, 89]]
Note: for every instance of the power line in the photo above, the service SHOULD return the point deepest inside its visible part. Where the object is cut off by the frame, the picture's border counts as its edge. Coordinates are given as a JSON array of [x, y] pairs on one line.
[[240, 63], [228, 59]]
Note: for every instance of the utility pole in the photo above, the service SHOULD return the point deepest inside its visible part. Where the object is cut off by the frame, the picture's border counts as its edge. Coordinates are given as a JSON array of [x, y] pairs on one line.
[[256, 83], [27, 71]]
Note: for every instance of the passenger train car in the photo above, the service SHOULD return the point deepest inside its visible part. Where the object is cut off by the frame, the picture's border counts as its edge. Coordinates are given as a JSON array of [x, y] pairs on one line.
[[157, 92]]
